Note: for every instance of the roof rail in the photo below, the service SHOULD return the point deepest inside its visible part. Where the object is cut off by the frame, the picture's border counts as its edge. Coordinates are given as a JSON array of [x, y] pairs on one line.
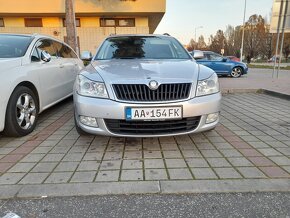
[[166, 34]]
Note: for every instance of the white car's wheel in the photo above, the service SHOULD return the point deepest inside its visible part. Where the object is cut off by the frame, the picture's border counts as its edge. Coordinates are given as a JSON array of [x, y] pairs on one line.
[[236, 72], [21, 113]]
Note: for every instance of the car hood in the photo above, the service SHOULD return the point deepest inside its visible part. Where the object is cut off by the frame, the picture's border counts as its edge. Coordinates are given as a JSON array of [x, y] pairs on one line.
[[9, 63], [141, 71]]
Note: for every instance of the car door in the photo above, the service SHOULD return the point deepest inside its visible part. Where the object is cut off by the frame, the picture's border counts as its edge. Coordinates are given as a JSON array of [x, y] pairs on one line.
[[50, 73], [219, 64], [69, 64]]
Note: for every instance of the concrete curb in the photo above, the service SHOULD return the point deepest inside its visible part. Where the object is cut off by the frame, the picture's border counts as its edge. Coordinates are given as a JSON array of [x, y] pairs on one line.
[[261, 91], [144, 187]]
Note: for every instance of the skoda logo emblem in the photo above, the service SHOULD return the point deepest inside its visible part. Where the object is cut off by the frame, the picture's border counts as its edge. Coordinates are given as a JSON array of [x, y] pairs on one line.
[[153, 85]]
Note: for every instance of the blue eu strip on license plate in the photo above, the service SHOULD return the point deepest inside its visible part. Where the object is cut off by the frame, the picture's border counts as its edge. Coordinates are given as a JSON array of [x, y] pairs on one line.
[[128, 114]]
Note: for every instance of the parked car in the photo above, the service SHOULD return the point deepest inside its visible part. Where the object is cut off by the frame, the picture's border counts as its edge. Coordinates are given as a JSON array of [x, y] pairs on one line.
[[145, 86], [274, 58], [222, 65], [233, 58], [36, 72]]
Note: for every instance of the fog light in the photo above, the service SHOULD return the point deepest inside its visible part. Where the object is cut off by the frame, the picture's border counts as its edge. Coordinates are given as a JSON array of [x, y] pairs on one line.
[[212, 118], [89, 121]]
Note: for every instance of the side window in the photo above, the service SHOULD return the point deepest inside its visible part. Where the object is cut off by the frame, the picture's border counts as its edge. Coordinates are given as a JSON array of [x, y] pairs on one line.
[[47, 45], [65, 52], [35, 56], [58, 47], [215, 57]]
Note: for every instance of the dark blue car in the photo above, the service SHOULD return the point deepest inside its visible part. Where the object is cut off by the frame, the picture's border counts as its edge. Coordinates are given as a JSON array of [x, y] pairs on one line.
[[222, 65]]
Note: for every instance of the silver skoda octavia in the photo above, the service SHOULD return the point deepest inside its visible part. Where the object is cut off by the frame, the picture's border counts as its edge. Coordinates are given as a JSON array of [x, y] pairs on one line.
[[145, 86]]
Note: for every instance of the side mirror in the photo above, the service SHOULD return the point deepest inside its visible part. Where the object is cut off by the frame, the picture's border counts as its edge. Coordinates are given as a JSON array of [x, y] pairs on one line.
[[225, 59], [86, 56], [198, 54], [45, 56]]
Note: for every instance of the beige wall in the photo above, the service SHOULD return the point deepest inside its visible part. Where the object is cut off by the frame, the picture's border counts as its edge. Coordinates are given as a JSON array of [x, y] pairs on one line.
[[82, 6], [90, 37]]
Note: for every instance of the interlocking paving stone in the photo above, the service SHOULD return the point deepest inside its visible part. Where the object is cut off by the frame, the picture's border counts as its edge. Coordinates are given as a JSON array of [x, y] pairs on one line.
[[62, 177], [127, 175], [108, 176], [269, 152], [88, 166], [179, 174], [245, 146], [227, 173], [197, 162], [152, 154], [34, 178], [44, 167], [155, 174], [239, 161], [281, 160], [53, 157], [132, 164], [83, 176], [21, 168], [175, 163], [218, 162], [111, 165], [210, 153], [66, 166], [154, 163], [203, 173], [251, 172], [133, 155], [275, 172], [10, 178]]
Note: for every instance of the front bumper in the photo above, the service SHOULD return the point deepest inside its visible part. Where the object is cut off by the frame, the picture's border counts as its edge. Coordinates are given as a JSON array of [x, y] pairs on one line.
[[108, 109]]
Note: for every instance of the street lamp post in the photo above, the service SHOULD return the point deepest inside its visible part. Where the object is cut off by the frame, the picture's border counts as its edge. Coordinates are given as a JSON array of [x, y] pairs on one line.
[[243, 35], [196, 28]]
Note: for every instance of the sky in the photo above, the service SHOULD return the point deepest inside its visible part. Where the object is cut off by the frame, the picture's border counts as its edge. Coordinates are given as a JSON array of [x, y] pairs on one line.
[[183, 16]]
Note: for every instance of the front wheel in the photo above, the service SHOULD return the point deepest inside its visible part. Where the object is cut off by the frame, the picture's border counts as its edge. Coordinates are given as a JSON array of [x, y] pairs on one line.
[[236, 72], [21, 113]]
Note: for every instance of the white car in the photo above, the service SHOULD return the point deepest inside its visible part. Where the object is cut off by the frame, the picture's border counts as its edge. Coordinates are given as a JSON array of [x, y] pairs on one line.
[[36, 72]]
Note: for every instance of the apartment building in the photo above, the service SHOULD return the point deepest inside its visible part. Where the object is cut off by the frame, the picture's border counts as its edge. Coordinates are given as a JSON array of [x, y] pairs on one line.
[[95, 19]]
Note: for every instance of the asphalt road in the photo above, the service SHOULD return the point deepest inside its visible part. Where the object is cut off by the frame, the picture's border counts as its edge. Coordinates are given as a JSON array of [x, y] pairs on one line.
[[200, 205]]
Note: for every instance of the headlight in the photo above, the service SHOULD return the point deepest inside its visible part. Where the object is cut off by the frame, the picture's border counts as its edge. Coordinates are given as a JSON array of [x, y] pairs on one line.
[[208, 86], [91, 88]]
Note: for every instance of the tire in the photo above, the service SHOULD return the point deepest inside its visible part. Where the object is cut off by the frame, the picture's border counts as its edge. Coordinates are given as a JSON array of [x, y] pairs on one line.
[[78, 129], [236, 72], [21, 113]]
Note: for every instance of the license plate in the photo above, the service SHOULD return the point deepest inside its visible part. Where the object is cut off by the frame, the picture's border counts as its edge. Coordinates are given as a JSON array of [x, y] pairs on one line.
[[158, 113]]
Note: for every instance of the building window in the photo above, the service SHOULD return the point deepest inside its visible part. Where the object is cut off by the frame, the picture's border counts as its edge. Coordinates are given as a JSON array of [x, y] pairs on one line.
[[117, 22], [33, 22], [1, 22], [78, 22]]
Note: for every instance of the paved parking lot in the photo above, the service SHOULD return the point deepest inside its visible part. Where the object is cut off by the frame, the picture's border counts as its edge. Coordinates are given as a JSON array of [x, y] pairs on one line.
[[248, 151]]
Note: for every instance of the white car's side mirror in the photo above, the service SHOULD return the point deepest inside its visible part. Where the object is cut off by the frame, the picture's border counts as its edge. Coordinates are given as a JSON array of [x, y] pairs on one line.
[[86, 56], [45, 56]]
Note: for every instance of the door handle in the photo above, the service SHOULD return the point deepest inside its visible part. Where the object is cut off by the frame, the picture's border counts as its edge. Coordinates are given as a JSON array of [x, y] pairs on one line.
[[61, 66]]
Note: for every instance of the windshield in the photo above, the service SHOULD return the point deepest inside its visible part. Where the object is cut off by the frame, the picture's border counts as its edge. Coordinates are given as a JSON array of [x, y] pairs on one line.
[[12, 46], [146, 47]]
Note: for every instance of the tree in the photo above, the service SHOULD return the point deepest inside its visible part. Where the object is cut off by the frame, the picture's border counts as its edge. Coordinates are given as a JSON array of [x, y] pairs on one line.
[[201, 45], [70, 20], [218, 41], [71, 30], [255, 36]]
